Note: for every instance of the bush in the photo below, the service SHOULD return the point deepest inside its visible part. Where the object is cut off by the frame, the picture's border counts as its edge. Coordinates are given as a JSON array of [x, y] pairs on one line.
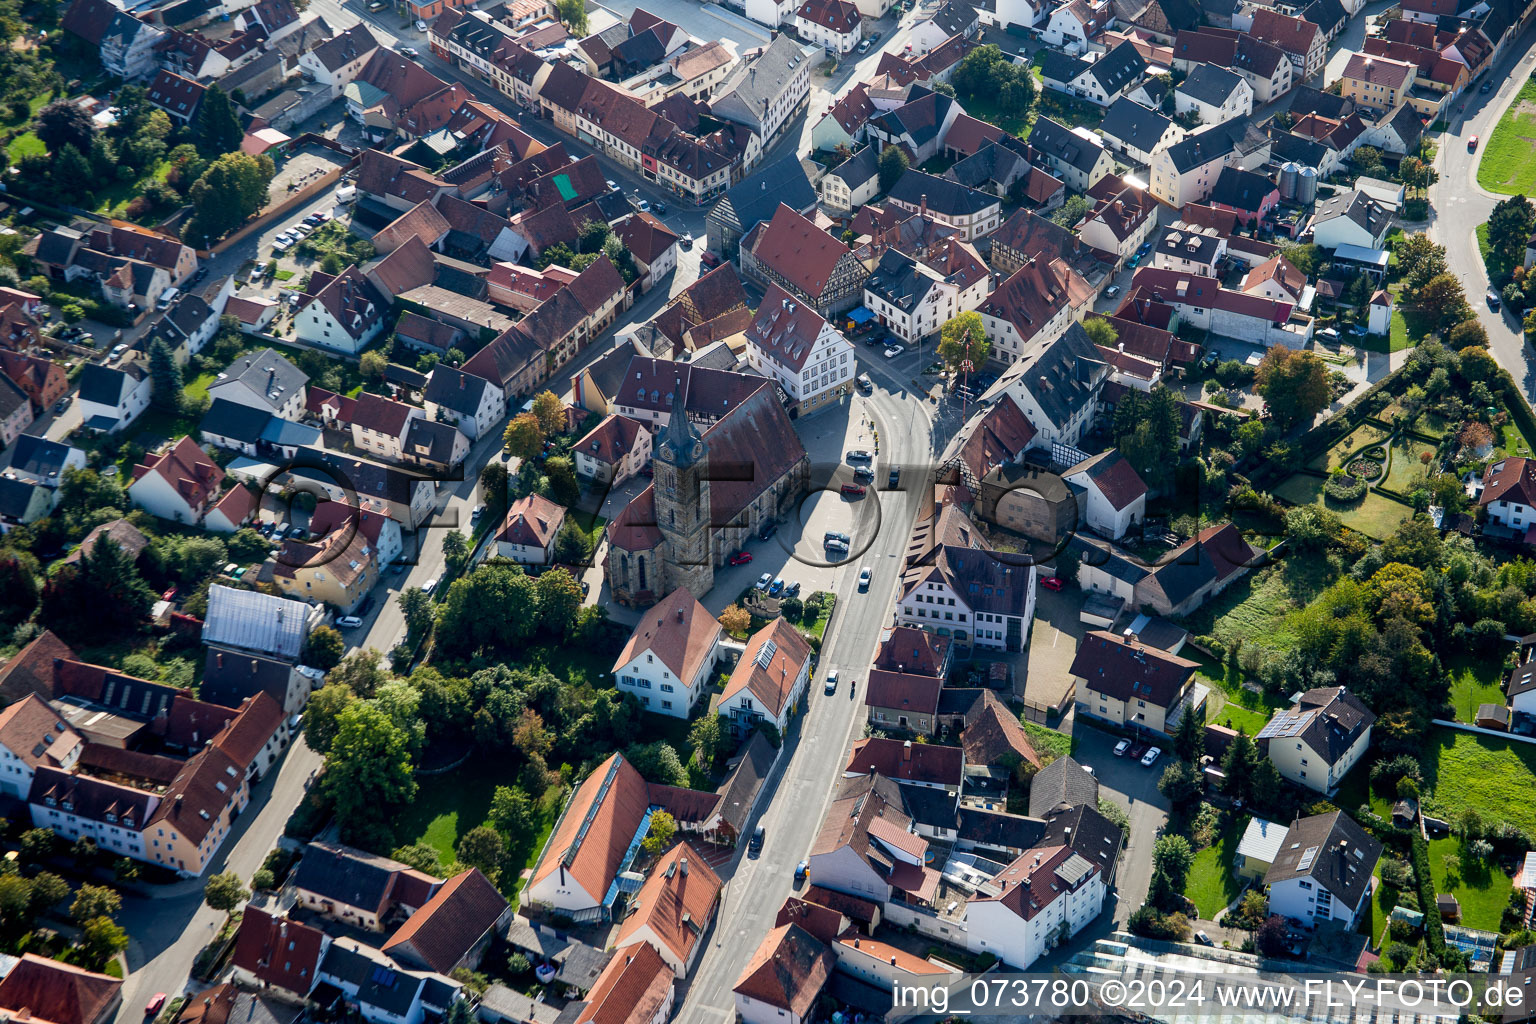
[[1434, 933], [1366, 469], [1344, 488]]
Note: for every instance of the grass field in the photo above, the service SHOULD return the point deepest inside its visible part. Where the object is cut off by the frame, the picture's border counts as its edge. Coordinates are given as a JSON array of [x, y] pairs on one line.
[[1508, 163], [1375, 516], [1406, 471], [1360, 438], [196, 389], [1355, 790], [1474, 683], [1512, 442], [1493, 777], [1481, 887], [1211, 883], [1232, 704], [1057, 744], [1255, 608]]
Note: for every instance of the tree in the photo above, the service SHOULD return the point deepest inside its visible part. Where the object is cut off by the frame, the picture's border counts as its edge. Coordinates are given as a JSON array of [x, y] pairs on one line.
[[1180, 783], [1237, 765], [419, 856], [101, 940], [1367, 160], [218, 129], [18, 589], [165, 377], [456, 549], [1509, 228], [1146, 430], [1101, 332], [416, 606], [324, 648], [659, 838], [64, 123], [1069, 213], [225, 892], [1270, 940], [1295, 384], [361, 671], [232, 189], [1442, 299], [1189, 734], [574, 14], [1301, 255], [1420, 259], [1467, 334], [1250, 911], [511, 812], [559, 597], [263, 880], [524, 438], [704, 737], [550, 412], [570, 545], [323, 712], [1173, 856], [893, 164], [368, 773], [72, 173], [988, 73], [736, 620], [93, 901], [964, 338], [563, 487], [493, 488], [372, 365], [1476, 364], [482, 847]]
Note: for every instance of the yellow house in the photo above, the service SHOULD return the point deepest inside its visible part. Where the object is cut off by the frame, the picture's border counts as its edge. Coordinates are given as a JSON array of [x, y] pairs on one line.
[[1121, 680], [338, 569], [1380, 83]]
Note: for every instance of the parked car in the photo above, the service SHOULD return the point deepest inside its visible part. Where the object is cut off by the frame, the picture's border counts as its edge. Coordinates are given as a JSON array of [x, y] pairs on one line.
[[764, 581], [769, 528], [478, 512], [61, 404], [864, 473], [1150, 756], [1088, 768], [836, 538], [859, 455], [429, 586], [864, 46], [155, 1004], [1472, 144], [709, 259], [1486, 87], [894, 477], [756, 843], [613, 186], [1204, 939], [864, 578], [802, 871], [659, 208], [409, 51], [349, 622], [687, 240], [1053, 583], [837, 546], [852, 490], [792, 589], [776, 587], [1493, 300], [894, 351], [1111, 291], [864, 384], [831, 682], [116, 353], [1122, 747], [741, 558]]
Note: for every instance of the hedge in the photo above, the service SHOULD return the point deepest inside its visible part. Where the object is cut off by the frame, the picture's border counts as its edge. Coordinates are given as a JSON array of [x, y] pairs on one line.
[[1434, 932]]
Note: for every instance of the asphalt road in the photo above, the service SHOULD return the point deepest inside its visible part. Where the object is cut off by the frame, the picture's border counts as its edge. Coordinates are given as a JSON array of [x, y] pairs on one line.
[[1458, 204]]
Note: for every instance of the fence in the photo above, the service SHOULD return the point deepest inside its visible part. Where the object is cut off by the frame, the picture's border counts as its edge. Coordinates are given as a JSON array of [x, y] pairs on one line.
[[1464, 727]]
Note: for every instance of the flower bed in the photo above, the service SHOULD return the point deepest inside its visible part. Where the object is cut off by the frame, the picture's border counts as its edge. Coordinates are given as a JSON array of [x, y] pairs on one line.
[[1366, 469], [1344, 488]]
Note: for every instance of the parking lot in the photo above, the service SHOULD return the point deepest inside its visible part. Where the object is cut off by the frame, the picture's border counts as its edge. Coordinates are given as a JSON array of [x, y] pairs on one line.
[[1133, 787]]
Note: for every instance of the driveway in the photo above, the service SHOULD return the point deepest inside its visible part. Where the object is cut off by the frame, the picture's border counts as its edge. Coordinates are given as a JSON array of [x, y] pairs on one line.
[[1133, 788]]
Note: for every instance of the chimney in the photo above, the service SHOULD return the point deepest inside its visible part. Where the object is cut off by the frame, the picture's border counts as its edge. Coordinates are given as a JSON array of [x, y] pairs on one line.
[[679, 615], [684, 867], [906, 751], [922, 207]]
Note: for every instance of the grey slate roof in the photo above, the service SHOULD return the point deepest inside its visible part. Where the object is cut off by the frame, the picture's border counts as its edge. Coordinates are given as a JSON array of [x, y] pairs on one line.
[[233, 420], [437, 437], [230, 678], [1118, 69], [896, 280], [267, 373], [1214, 143], [859, 168], [999, 830], [15, 497], [1133, 124], [39, 457], [1240, 189], [454, 389], [188, 314], [954, 18], [1210, 84], [757, 197], [1327, 719], [256, 622], [1330, 849], [1056, 140], [757, 83], [1060, 785], [944, 196], [347, 876], [1061, 66], [377, 985], [1061, 379], [106, 385]]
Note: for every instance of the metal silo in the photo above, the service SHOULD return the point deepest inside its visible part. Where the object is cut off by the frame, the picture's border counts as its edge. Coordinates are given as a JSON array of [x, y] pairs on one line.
[[1306, 185], [1288, 175]]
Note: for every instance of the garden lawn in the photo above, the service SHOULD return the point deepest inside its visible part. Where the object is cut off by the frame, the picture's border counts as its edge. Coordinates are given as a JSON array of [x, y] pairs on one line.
[[1474, 683], [1406, 470], [1239, 707], [1481, 887], [1512, 442], [1256, 607], [1374, 515], [1508, 163], [1211, 883], [1356, 790], [1044, 740], [576, 666], [1362, 437], [1491, 776], [196, 389]]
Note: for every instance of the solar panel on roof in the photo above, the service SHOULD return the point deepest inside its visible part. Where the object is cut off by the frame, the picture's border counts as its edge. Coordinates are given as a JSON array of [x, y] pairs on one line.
[[766, 652]]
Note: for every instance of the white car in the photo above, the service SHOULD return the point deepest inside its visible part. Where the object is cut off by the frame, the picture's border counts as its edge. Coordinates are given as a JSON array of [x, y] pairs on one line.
[[429, 586], [1087, 768], [894, 351], [1151, 756], [831, 686], [349, 622], [421, 26], [116, 353], [864, 576], [1122, 747], [765, 581]]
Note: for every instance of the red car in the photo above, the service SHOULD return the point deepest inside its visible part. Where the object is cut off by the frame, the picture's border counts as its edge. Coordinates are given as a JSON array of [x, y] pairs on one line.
[[741, 558], [155, 1004], [1053, 583], [709, 258], [853, 491], [1472, 144]]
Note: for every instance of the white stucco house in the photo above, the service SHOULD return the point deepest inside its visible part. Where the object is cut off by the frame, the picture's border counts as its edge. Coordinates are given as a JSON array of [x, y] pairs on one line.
[[670, 656]]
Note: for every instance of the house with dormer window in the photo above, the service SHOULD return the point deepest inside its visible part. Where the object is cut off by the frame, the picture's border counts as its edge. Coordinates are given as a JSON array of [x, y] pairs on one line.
[[793, 344], [343, 313]]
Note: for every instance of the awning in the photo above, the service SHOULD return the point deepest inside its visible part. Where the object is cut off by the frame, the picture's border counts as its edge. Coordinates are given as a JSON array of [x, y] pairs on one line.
[[860, 315]]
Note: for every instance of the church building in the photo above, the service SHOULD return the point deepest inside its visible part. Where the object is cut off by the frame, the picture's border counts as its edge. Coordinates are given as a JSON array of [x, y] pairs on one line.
[[711, 491]]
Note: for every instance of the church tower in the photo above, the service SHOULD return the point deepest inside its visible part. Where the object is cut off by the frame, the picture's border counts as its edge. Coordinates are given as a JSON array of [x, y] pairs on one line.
[[681, 462]]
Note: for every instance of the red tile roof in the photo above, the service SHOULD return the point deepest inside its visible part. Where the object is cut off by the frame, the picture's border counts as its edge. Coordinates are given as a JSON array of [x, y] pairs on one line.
[[1512, 479], [679, 631], [918, 695], [278, 951], [443, 931], [906, 761], [803, 253], [633, 989], [770, 684], [788, 970], [188, 469], [57, 993], [676, 903], [595, 832], [532, 521]]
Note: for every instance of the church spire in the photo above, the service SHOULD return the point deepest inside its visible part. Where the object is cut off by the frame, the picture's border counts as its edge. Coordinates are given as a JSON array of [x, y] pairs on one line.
[[681, 438]]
